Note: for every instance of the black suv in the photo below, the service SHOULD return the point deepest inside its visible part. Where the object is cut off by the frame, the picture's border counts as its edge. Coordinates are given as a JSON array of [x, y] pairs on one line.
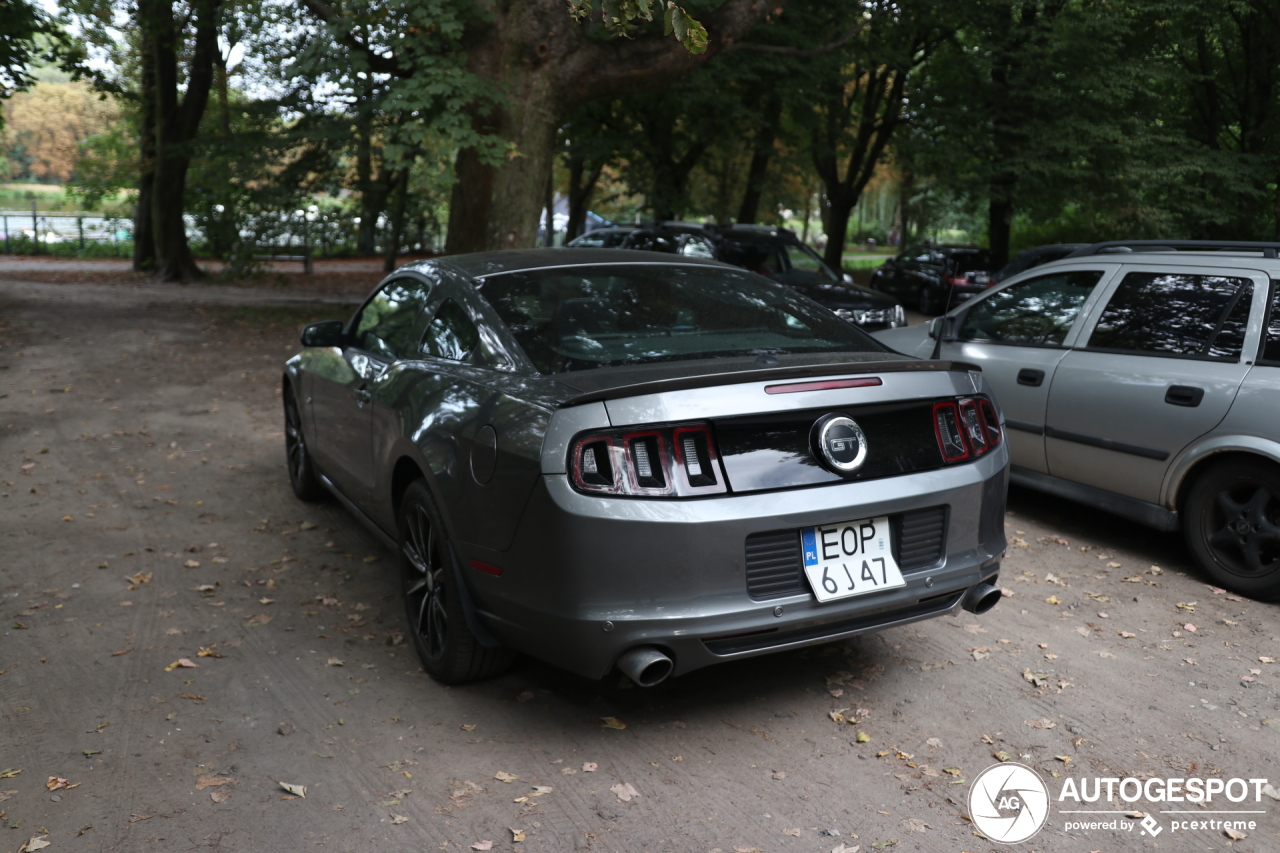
[[935, 278], [778, 254]]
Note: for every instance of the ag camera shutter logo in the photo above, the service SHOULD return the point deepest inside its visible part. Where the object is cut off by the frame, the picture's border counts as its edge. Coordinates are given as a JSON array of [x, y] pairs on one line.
[[1008, 803]]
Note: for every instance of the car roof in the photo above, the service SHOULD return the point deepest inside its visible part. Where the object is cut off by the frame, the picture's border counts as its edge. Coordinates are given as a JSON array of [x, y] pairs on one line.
[[482, 264]]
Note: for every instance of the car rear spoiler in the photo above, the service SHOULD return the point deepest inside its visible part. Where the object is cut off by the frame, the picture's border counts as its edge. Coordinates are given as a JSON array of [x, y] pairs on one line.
[[707, 380]]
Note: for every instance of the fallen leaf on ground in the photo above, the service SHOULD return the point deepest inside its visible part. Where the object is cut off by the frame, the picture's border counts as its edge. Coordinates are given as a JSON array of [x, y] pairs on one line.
[[612, 723], [915, 824], [468, 727], [934, 742], [1042, 723], [779, 774], [1001, 755], [1128, 635], [747, 850], [1267, 660], [625, 791], [1189, 627], [296, 790], [841, 848], [211, 780], [516, 834], [863, 737], [121, 652], [1034, 678], [210, 652], [1217, 590], [335, 662], [482, 845], [1189, 606], [590, 767], [1234, 834], [192, 564], [36, 842], [794, 833], [503, 776], [185, 663], [220, 795], [397, 819], [1053, 599], [55, 783], [371, 559], [1065, 759], [192, 696], [259, 619]]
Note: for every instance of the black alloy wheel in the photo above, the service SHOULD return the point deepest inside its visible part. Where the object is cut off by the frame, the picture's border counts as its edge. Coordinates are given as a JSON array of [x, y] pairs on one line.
[[302, 473], [449, 652], [1233, 526]]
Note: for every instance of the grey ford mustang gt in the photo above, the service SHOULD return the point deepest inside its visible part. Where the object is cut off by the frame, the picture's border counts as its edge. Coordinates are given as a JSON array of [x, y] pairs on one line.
[[612, 458]]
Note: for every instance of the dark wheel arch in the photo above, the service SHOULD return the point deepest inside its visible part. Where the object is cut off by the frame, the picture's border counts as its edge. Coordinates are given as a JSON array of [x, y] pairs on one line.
[[1231, 521]]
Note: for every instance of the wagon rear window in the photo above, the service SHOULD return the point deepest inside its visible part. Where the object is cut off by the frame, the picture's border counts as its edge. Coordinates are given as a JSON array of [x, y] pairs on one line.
[[581, 318]]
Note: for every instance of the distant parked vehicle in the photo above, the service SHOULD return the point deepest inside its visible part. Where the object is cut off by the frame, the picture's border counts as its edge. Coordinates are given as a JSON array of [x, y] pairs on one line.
[[1142, 378], [935, 278], [777, 254], [611, 237], [1034, 257]]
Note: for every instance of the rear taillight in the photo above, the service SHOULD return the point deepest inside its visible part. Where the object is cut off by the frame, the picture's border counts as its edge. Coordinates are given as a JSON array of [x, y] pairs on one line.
[[672, 461], [965, 428], [957, 280], [946, 426]]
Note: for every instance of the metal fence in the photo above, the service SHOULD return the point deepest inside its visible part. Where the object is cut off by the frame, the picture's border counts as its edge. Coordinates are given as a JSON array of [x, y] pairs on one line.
[[45, 229]]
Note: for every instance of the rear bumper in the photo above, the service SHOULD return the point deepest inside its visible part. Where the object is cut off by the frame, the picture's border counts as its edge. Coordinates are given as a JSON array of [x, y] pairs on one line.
[[587, 578]]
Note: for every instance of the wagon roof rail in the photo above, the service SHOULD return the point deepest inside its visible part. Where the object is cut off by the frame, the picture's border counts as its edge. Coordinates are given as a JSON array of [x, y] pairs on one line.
[[1110, 247]]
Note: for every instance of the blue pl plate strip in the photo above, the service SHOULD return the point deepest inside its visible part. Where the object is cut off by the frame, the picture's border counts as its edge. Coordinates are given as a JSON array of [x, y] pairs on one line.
[[809, 541]]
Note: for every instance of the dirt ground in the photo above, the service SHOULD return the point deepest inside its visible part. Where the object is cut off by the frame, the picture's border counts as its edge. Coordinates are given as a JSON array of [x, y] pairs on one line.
[[182, 639]]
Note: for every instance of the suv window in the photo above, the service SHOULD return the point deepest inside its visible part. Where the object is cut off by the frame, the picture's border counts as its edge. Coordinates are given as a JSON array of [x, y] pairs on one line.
[[387, 323], [1175, 314], [804, 258], [1036, 312], [1270, 353], [451, 334]]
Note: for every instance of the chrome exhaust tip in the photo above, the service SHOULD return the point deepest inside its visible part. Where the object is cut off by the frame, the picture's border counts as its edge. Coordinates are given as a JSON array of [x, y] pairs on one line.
[[981, 597], [645, 665]]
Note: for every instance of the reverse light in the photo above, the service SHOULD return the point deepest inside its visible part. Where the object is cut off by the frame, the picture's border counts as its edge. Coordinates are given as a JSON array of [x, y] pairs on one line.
[[670, 461]]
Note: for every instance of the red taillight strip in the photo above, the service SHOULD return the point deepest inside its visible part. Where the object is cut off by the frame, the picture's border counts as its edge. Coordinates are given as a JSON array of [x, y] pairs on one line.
[[487, 568], [823, 385]]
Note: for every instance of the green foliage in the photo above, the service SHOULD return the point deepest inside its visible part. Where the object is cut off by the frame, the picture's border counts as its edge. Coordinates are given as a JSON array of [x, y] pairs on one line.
[[623, 16]]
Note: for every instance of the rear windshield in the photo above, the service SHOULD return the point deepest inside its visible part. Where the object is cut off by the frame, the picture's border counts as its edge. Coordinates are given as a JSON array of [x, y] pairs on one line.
[[584, 318]]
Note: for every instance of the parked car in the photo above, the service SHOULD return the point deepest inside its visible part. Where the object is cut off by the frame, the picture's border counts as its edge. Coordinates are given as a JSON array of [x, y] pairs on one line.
[[1143, 379], [778, 254], [935, 278], [599, 457], [1034, 257], [609, 237]]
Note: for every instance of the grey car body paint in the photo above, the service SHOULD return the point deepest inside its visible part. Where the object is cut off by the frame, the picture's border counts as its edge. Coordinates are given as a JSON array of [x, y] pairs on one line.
[[664, 572]]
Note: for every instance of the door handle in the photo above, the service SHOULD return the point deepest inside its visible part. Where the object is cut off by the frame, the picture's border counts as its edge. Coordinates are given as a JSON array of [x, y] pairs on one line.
[[363, 395], [1030, 376], [1184, 395]]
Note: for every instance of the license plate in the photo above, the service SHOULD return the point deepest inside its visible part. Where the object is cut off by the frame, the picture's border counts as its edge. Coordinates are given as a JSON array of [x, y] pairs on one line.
[[849, 558]]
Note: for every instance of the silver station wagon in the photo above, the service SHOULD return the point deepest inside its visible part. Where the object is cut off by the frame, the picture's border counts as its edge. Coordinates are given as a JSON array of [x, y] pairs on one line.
[[610, 458], [1142, 378]]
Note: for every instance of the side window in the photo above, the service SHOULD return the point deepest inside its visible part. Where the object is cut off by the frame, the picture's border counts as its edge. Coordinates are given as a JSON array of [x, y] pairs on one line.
[[1173, 314], [1036, 312], [451, 334], [1270, 353], [803, 259], [388, 322]]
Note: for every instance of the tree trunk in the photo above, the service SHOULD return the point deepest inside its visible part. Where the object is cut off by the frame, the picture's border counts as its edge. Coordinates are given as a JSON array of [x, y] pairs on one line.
[[366, 231], [144, 244], [761, 151], [549, 202], [176, 120], [399, 198], [999, 216], [838, 210], [582, 185]]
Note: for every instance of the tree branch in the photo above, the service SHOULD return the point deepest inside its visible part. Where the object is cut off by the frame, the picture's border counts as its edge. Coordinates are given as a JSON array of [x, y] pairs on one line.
[[378, 63]]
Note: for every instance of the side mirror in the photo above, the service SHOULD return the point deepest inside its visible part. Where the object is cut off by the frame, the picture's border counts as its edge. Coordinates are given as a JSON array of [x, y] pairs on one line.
[[942, 328], [326, 334]]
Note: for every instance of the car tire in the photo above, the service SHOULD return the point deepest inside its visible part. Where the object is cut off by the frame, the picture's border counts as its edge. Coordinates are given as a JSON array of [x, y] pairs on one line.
[[449, 652], [1232, 525], [302, 471]]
